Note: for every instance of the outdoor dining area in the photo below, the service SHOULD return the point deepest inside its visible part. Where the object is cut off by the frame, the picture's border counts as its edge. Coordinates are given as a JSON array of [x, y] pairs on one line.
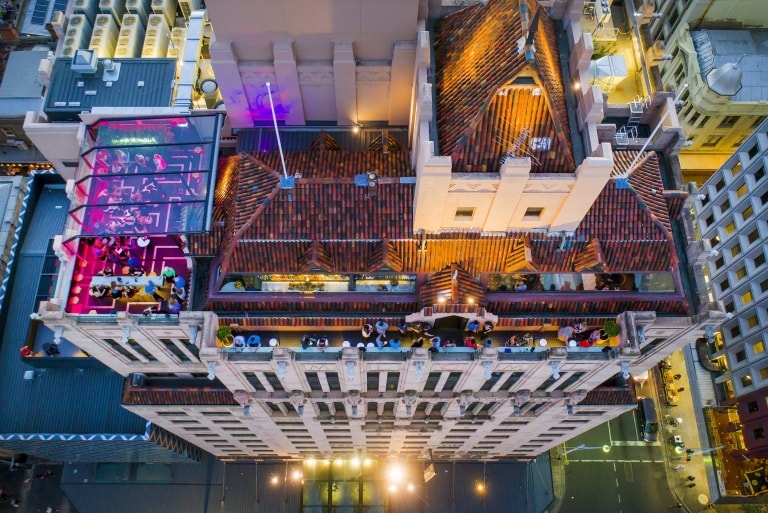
[[137, 274], [399, 335]]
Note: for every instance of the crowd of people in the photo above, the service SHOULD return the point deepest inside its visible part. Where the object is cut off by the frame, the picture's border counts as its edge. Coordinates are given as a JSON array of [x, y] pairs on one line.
[[121, 255]]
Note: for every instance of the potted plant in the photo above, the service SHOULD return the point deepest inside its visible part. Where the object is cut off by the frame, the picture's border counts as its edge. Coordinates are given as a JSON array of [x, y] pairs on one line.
[[224, 335], [610, 330]]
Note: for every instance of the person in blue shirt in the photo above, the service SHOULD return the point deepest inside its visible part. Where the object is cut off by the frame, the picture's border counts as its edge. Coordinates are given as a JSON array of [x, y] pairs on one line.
[[151, 289]]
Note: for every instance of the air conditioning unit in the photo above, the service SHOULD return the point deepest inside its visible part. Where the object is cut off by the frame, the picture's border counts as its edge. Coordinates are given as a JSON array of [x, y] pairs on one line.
[[87, 7], [157, 38], [115, 8], [78, 33], [68, 51], [104, 37], [176, 46], [167, 8], [58, 20], [187, 6], [140, 7], [131, 38]]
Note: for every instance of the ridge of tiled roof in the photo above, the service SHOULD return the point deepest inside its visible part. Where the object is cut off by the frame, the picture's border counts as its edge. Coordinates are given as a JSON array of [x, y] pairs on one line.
[[452, 284], [591, 259], [481, 112], [384, 257]]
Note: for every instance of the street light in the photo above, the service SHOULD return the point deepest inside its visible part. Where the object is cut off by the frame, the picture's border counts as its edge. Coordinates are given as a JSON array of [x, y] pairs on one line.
[[583, 447]]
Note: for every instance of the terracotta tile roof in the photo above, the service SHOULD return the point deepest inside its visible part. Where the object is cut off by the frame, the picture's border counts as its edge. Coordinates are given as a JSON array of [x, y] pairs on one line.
[[560, 305], [340, 164], [452, 284], [609, 396], [177, 396], [627, 229], [490, 101]]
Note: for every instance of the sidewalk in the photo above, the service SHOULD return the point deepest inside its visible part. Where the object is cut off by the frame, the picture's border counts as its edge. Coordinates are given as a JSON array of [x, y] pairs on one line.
[[34, 487]]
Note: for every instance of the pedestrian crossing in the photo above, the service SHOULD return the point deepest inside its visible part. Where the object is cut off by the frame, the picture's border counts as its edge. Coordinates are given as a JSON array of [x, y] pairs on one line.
[[614, 461], [635, 443]]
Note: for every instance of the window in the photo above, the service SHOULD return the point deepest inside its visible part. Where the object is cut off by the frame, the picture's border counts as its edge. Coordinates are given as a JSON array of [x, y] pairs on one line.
[[533, 212], [756, 122], [747, 213], [735, 332], [753, 236], [724, 206], [752, 321], [693, 119], [464, 214], [759, 174], [730, 228], [712, 141], [746, 298], [746, 381], [764, 198], [736, 250], [741, 191], [752, 152], [720, 185], [452, 381], [730, 307], [740, 356], [432, 380], [373, 381], [393, 378], [313, 381], [709, 220], [752, 406], [728, 122], [720, 262], [724, 285], [764, 285], [759, 260], [759, 433], [741, 273], [714, 241]]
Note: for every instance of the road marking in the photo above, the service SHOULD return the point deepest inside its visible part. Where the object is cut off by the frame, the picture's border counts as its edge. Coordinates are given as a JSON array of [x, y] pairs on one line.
[[635, 443], [630, 475]]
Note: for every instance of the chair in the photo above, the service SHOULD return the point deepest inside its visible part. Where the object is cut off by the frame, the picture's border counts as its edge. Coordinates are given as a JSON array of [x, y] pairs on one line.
[[273, 342], [346, 344]]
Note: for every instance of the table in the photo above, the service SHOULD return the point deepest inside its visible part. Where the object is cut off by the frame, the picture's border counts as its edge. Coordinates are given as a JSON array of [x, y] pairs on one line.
[[128, 281]]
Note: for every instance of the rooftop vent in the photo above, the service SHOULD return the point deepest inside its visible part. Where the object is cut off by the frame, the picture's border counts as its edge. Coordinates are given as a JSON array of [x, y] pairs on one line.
[[85, 62]]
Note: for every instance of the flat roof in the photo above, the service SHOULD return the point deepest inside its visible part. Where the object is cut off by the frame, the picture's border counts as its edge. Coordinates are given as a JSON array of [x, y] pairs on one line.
[[132, 83]]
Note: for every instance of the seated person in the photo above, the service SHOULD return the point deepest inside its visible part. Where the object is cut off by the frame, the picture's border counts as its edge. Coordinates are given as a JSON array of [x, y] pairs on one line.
[[487, 327], [381, 341], [179, 294], [521, 286], [419, 342], [470, 342], [367, 331], [473, 326], [151, 289], [306, 342], [381, 327], [322, 343], [513, 341], [254, 341], [403, 328], [394, 343], [116, 290], [98, 291], [168, 274]]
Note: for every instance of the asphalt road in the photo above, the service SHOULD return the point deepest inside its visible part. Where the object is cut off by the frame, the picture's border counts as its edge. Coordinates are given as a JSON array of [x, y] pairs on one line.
[[631, 478]]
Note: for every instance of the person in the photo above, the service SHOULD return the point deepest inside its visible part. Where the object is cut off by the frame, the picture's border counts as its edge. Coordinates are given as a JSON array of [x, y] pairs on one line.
[[151, 289], [361, 347], [134, 266], [52, 350], [677, 377], [470, 342], [98, 291], [403, 328], [116, 290], [691, 478], [488, 342], [473, 326], [436, 342], [520, 286], [168, 274], [180, 294], [381, 327], [513, 341], [679, 468], [179, 282], [381, 341], [174, 307], [681, 389], [419, 342], [322, 343], [367, 331], [691, 485], [394, 343], [566, 286], [487, 327]]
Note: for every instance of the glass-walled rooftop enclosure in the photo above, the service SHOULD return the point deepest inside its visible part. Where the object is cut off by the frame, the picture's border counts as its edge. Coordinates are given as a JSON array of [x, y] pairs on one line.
[[150, 175], [377, 282]]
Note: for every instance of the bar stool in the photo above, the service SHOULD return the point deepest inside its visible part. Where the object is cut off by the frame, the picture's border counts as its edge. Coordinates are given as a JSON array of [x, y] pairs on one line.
[[273, 342]]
